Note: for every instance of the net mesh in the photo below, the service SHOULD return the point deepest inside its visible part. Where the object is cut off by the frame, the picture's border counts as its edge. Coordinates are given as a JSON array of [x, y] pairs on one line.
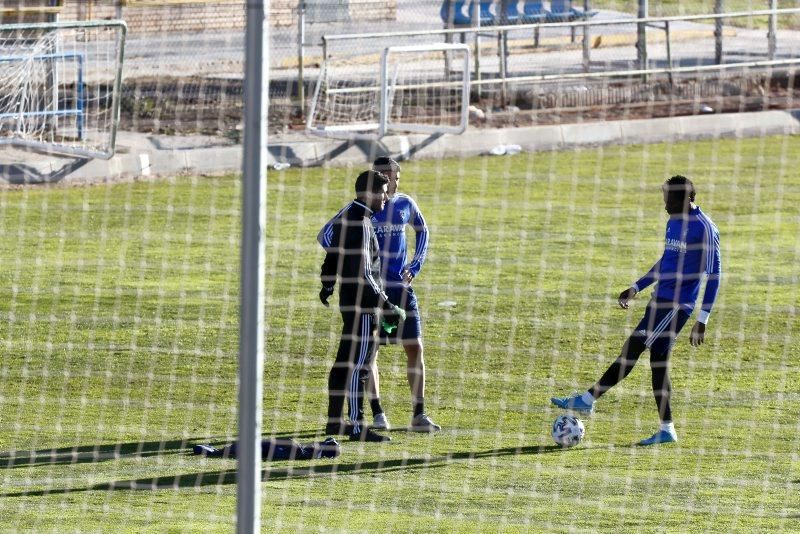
[[60, 88], [25, 95], [426, 90], [349, 101], [119, 300]]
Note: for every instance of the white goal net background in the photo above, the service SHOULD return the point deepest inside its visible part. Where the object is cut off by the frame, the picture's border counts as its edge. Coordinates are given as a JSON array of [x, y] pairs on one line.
[[60, 86], [120, 312], [423, 89]]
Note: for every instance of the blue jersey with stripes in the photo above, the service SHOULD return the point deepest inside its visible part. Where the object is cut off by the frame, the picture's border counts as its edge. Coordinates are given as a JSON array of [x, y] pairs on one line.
[[691, 250], [390, 227]]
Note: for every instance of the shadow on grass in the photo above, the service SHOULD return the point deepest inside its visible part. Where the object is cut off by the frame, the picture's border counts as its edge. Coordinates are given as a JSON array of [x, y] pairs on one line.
[[115, 451], [96, 453], [312, 470]]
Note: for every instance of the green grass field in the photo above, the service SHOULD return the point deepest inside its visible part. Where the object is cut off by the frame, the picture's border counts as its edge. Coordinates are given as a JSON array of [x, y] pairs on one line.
[[119, 335]]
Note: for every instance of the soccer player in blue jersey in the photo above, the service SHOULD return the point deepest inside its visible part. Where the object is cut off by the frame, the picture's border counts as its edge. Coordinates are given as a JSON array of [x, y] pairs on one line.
[[691, 251], [398, 274]]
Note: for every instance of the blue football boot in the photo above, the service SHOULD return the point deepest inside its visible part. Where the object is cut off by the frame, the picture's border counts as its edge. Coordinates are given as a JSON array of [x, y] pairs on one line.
[[573, 402], [662, 436]]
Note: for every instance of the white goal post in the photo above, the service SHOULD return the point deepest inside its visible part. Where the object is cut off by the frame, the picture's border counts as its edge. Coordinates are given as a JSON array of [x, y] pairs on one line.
[[420, 89], [60, 86]]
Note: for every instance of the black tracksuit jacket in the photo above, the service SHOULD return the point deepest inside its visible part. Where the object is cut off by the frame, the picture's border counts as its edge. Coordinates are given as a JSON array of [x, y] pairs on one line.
[[354, 256]]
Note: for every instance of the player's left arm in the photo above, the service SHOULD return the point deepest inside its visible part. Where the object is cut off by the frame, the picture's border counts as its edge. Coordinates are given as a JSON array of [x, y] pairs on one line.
[[412, 269], [713, 270], [325, 235]]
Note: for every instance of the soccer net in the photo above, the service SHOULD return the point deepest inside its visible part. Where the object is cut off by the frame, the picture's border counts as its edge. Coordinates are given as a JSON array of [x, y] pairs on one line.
[[60, 86], [423, 89], [120, 298]]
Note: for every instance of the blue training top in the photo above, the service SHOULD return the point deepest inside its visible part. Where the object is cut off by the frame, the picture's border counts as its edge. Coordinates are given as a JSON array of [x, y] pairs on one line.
[[390, 227], [691, 249]]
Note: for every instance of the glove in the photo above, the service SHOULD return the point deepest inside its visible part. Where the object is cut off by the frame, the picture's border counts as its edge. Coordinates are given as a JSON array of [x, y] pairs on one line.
[[625, 297], [324, 294], [390, 322]]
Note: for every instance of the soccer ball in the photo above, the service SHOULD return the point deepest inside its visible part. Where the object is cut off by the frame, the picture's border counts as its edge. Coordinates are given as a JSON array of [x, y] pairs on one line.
[[568, 430]]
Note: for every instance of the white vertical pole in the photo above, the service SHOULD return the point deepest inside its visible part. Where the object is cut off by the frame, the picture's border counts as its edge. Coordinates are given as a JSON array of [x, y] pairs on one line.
[[718, 32], [641, 36], [772, 32], [251, 326], [301, 55], [586, 60], [383, 98], [476, 23]]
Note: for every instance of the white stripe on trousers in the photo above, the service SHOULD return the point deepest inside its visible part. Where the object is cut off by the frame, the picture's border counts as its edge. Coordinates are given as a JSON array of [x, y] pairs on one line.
[[366, 332], [658, 330]]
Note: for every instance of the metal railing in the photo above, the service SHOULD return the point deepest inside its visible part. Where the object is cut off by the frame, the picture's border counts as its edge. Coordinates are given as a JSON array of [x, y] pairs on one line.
[[661, 22]]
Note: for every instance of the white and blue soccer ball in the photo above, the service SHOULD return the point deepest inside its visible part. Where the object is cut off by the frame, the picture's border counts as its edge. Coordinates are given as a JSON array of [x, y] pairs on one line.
[[568, 430]]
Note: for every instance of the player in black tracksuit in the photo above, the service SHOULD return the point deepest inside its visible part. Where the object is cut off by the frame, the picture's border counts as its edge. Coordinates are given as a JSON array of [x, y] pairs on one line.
[[354, 256]]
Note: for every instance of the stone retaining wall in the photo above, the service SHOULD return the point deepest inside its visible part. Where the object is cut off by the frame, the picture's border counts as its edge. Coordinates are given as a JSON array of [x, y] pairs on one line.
[[150, 16]]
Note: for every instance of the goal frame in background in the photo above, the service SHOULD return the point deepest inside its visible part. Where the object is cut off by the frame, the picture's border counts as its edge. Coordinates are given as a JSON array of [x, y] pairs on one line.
[[101, 146], [386, 87], [387, 124]]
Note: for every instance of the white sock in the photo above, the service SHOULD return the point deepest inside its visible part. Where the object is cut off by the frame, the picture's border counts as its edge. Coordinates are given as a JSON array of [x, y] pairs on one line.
[[587, 397], [667, 426]]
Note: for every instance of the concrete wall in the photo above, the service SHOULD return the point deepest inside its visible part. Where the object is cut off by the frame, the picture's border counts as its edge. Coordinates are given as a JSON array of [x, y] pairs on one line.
[[182, 16]]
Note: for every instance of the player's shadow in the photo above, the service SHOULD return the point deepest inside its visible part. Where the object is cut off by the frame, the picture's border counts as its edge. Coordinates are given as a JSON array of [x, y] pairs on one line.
[[21, 174], [407, 464], [83, 454], [96, 453], [293, 471]]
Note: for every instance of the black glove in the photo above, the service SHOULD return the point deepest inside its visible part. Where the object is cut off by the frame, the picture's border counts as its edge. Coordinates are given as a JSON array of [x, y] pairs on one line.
[[625, 297], [324, 294]]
